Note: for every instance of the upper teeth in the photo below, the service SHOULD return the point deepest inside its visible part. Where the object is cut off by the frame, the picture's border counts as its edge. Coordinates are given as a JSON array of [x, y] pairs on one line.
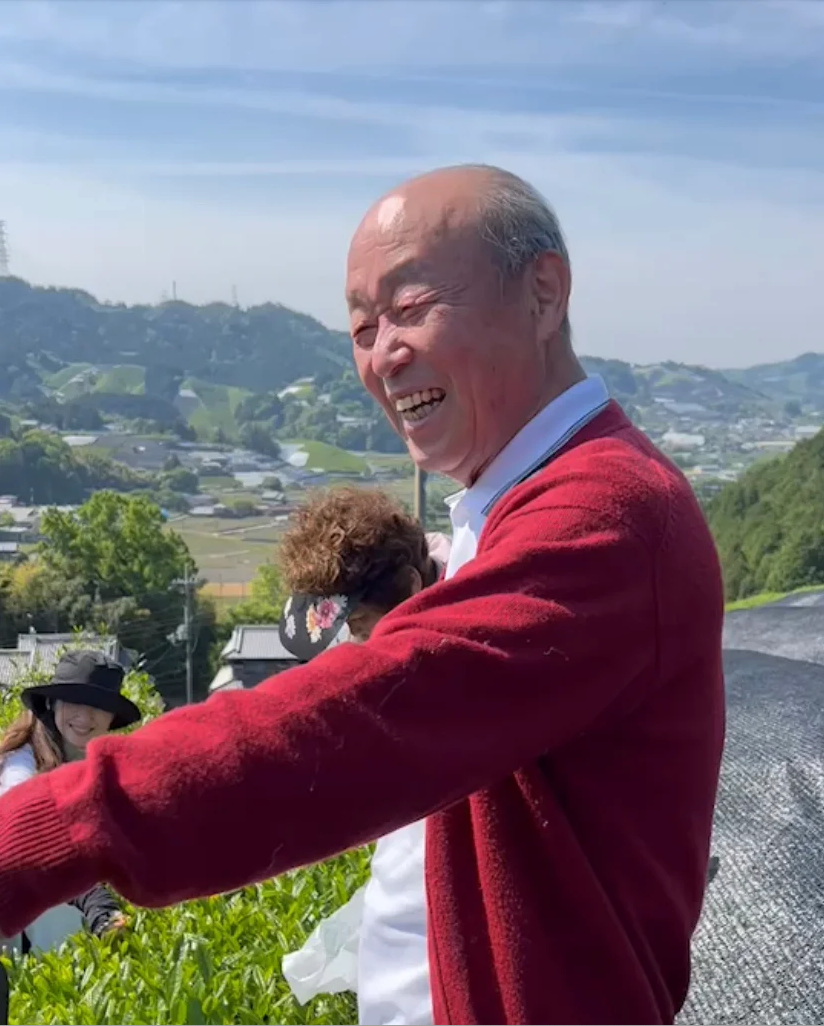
[[409, 401]]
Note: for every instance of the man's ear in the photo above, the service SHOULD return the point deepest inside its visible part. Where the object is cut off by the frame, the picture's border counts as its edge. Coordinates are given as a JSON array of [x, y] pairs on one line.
[[551, 284]]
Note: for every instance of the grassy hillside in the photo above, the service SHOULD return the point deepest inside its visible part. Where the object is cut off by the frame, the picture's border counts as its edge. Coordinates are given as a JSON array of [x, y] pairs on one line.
[[124, 378], [217, 402], [59, 379], [79, 378], [769, 524], [329, 458], [218, 405], [765, 598]]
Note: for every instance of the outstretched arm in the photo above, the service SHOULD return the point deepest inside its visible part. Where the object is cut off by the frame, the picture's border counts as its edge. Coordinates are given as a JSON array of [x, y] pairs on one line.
[[458, 687]]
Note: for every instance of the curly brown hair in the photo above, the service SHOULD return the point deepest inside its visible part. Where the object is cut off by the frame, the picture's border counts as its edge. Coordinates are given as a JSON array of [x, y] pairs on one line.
[[355, 540]]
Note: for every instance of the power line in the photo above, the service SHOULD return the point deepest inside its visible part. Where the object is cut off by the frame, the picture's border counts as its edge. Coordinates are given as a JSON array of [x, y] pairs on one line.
[[4, 251]]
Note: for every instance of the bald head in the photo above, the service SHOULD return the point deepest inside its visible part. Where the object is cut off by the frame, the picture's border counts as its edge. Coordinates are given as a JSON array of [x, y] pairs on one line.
[[487, 205], [457, 285]]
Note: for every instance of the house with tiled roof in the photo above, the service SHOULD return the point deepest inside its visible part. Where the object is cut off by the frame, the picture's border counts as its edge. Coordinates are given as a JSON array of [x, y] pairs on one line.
[[40, 653]]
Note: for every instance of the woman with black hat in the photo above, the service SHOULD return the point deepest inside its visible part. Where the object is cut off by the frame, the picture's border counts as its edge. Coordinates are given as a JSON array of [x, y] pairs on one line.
[[82, 701]]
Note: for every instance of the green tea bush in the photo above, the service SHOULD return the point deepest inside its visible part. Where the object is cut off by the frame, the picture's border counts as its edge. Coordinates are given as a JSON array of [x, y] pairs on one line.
[[212, 961]]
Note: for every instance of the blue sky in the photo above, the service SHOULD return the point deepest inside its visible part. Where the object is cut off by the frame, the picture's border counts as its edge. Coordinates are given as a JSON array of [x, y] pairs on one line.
[[238, 143]]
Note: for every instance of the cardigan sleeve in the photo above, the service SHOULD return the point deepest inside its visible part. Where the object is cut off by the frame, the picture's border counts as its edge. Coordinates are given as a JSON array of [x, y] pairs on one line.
[[523, 649]]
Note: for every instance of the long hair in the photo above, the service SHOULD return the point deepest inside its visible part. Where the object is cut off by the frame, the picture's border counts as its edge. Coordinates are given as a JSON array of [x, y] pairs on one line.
[[28, 729]]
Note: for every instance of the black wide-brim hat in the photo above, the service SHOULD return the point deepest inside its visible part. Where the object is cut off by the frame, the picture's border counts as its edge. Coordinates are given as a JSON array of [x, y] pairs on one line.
[[85, 678]]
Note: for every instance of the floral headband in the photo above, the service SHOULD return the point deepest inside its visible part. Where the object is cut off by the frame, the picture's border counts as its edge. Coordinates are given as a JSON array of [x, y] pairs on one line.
[[310, 623]]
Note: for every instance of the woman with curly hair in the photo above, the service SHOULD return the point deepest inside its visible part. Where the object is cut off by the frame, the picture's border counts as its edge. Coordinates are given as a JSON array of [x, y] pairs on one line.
[[351, 555]]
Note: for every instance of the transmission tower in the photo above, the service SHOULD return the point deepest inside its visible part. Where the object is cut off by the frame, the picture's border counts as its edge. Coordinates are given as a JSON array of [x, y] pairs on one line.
[[4, 251]]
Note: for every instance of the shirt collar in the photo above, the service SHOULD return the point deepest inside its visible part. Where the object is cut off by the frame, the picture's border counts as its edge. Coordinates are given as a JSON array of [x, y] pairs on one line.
[[537, 441]]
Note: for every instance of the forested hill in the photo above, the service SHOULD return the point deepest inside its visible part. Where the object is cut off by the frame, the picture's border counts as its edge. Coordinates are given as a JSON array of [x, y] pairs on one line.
[[259, 348], [769, 525]]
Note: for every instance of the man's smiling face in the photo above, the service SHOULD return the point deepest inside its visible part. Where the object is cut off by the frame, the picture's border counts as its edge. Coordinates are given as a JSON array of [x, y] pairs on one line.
[[448, 351]]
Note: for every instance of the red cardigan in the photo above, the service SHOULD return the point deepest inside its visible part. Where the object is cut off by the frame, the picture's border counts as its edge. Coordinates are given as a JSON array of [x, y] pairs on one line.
[[556, 709]]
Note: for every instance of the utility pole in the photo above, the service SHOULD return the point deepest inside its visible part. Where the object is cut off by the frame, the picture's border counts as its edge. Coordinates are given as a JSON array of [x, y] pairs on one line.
[[187, 627], [420, 496]]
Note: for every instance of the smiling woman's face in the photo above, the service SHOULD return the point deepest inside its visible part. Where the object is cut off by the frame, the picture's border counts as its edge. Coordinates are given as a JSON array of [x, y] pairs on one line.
[[79, 724]]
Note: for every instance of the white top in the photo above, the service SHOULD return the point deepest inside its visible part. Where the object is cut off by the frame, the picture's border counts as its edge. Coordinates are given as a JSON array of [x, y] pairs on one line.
[[53, 927], [17, 767], [393, 960]]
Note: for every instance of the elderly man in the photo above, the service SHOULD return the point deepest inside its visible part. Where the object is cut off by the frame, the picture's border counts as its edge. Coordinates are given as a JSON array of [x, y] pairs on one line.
[[553, 710]]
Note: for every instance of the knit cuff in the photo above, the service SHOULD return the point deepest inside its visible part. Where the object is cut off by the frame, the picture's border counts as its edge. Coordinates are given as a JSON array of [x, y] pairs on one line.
[[38, 864]]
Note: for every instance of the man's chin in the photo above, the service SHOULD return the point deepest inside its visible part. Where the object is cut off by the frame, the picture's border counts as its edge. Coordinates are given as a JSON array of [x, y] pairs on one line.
[[430, 462]]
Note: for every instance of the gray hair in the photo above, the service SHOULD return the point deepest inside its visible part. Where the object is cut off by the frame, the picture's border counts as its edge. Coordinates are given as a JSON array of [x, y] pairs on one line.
[[518, 224]]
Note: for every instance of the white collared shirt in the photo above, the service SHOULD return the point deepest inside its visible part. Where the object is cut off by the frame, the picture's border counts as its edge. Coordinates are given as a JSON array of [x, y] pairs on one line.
[[393, 959]]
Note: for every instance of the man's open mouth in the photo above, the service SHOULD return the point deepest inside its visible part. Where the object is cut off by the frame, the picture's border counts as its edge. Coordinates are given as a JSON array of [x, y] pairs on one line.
[[419, 405]]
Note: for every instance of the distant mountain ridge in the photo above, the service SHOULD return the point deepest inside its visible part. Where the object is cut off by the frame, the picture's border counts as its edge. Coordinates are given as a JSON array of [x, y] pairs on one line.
[[43, 330], [644, 384], [51, 337], [801, 378]]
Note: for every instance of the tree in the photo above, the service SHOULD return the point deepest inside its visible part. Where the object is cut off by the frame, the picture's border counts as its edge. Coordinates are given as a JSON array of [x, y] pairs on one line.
[[800, 561], [117, 546], [167, 500], [268, 587], [242, 507], [180, 480], [767, 524], [163, 381], [42, 468], [124, 570], [35, 597], [259, 439], [266, 407]]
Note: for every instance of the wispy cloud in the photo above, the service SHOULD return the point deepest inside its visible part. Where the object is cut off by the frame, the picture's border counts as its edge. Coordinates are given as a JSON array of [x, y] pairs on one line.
[[224, 143], [335, 34]]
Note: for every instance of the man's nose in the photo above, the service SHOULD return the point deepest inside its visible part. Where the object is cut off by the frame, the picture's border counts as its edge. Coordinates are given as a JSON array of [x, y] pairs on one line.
[[390, 353]]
